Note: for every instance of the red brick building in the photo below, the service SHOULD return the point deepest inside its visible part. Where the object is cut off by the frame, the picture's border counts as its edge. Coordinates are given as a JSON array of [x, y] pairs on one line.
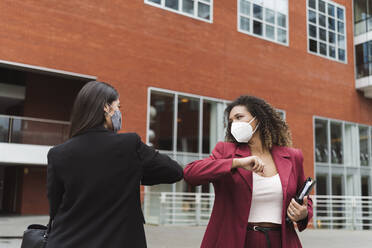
[[169, 61]]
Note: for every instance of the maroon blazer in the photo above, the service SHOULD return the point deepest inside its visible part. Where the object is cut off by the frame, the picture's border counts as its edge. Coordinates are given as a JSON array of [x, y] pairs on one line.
[[233, 193]]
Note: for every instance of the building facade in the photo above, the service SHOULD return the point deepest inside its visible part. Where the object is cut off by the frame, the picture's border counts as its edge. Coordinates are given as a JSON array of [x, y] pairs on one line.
[[176, 64]]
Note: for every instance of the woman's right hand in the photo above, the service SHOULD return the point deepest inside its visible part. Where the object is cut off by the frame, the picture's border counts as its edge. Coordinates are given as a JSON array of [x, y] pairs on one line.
[[251, 163]]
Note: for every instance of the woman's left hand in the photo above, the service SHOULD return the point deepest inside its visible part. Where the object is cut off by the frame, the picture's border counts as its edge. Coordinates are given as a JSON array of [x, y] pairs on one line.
[[297, 212]]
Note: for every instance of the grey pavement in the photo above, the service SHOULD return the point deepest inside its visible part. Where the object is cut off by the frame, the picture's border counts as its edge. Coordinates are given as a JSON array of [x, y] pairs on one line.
[[190, 237]]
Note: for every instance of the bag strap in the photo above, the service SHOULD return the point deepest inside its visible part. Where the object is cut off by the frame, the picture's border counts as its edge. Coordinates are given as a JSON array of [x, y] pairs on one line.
[[49, 227]]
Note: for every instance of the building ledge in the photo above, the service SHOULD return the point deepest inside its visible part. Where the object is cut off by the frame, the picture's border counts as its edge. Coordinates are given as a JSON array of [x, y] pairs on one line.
[[364, 85], [23, 154]]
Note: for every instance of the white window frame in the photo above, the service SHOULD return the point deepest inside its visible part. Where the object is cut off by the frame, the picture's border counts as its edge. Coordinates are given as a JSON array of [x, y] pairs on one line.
[[180, 3], [263, 21], [337, 5], [176, 94]]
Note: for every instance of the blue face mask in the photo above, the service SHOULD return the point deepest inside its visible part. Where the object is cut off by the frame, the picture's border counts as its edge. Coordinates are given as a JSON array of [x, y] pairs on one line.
[[116, 121]]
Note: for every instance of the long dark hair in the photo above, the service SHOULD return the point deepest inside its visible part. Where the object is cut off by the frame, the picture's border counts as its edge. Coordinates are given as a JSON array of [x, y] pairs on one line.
[[88, 109], [273, 129]]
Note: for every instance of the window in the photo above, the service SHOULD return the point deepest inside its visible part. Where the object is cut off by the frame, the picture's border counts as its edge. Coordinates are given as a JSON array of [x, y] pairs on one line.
[[343, 165], [363, 59], [362, 16], [264, 19], [363, 144], [186, 127], [199, 9], [326, 29]]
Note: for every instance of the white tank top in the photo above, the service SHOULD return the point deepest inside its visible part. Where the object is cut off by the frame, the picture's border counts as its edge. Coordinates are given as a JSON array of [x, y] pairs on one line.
[[267, 200]]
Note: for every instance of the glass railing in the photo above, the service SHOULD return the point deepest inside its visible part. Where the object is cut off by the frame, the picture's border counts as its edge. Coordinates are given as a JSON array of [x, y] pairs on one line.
[[24, 130], [364, 70], [363, 26]]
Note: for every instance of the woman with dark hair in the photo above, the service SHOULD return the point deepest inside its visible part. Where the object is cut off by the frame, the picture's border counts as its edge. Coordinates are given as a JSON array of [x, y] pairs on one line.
[[255, 175], [94, 178]]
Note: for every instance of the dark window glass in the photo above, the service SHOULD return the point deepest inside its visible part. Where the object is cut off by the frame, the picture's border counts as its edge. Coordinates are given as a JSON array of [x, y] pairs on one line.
[[322, 48], [322, 6], [331, 37], [341, 54], [332, 52], [322, 20], [257, 28], [363, 144], [360, 10], [321, 141], [173, 4], [340, 14], [282, 22], [322, 189], [322, 34], [209, 126], [331, 10], [187, 124], [161, 121], [257, 11], [204, 11], [155, 1], [188, 6], [331, 23], [341, 27], [312, 4], [336, 143], [312, 31], [4, 129], [282, 35], [313, 46], [312, 16]]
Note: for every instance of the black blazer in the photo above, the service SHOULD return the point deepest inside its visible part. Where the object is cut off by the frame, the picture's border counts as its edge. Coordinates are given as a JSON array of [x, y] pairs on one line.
[[94, 189]]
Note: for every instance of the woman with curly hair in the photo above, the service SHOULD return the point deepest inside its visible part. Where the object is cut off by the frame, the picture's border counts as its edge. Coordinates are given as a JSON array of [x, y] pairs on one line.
[[255, 175]]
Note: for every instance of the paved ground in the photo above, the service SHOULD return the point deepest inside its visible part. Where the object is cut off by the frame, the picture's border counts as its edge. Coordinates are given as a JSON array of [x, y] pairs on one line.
[[190, 237]]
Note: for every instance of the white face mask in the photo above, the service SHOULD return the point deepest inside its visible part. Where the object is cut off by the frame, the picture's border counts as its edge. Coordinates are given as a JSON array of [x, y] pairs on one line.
[[242, 131]]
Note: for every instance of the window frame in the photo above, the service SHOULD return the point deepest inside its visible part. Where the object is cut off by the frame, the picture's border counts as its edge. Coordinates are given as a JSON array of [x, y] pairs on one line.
[[180, 12], [336, 5], [263, 21], [176, 94]]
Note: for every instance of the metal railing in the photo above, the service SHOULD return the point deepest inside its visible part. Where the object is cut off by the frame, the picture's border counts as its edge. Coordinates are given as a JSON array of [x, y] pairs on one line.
[[25, 130], [342, 212], [330, 212]]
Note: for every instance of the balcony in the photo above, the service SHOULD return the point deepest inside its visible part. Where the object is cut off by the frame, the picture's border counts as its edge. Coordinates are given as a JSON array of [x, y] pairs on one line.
[[363, 80], [26, 140]]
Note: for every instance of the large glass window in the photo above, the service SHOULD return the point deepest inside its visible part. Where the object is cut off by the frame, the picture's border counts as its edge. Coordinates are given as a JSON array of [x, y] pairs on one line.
[[343, 171], [321, 141], [264, 19], [326, 29], [336, 143], [363, 59], [186, 127], [4, 129], [160, 134], [188, 124], [199, 9], [362, 16], [363, 146]]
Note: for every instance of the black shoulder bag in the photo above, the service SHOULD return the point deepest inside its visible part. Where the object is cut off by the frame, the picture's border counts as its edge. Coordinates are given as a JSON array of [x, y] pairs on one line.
[[36, 236]]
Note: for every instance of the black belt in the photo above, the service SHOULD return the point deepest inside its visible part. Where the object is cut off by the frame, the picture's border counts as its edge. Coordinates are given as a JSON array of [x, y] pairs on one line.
[[265, 231]]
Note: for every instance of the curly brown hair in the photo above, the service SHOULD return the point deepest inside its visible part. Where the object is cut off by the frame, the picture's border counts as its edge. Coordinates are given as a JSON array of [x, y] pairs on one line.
[[274, 131]]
